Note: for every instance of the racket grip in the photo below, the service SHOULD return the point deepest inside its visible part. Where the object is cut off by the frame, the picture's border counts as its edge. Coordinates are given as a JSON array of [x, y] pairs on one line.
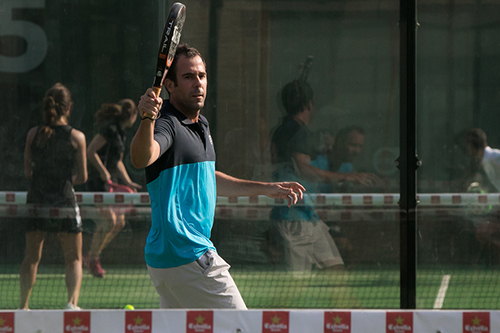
[[157, 91]]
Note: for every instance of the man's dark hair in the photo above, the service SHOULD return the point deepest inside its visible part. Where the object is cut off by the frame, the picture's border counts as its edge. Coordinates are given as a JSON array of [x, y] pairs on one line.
[[186, 51], [476, 138], [342, 135], [295, 96]]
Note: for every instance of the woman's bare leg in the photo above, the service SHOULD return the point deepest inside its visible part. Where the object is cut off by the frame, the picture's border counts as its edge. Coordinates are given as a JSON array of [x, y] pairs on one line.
[[72, 247], [29, 266]]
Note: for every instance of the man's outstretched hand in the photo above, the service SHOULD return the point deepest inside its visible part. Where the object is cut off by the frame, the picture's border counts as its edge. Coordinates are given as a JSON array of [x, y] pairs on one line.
[[291, 191]]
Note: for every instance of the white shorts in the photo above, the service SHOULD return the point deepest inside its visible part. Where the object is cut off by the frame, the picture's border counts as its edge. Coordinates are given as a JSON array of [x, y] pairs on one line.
[[308, 243], [202, 284]]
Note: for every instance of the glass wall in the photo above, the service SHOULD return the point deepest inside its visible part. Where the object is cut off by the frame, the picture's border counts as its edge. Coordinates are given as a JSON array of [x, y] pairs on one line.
[[355, 79], [457, 92], [340, 248], [344, 254]]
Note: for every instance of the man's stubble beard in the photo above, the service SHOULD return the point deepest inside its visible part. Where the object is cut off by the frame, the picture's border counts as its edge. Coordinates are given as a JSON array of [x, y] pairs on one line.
[[193, 111]]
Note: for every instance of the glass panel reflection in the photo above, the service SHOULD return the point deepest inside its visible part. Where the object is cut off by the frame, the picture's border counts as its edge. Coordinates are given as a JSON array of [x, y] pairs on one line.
[[338, 248], [457, 94]]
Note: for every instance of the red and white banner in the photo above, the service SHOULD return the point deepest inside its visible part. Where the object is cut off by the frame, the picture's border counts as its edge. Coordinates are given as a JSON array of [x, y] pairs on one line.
[[337, 322], [7, 322], [476, 322], [76, 322], [315, 199], [200, 322], [275, 322], [250, 321], [399, 322], [138, 322]]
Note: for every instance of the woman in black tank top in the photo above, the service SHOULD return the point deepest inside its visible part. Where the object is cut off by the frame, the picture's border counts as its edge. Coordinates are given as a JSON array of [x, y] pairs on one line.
[[105, 154], [54, 160]]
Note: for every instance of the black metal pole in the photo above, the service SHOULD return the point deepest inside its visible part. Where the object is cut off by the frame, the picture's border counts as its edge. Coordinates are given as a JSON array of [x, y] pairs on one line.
[[213, 42], [408, 161]]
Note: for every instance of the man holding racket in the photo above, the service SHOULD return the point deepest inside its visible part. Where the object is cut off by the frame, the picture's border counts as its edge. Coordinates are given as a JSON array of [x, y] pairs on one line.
[[173, 143]]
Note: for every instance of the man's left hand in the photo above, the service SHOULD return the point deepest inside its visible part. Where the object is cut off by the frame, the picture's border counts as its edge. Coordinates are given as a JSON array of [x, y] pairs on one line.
[[291, 191]]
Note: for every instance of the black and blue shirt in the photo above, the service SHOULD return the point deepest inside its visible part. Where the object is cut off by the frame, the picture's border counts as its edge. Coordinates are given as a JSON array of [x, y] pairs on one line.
[[292, 137], [182, 188]]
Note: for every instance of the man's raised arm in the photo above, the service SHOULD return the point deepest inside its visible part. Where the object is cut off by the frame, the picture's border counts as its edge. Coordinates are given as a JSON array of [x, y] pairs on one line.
[[144, 150]]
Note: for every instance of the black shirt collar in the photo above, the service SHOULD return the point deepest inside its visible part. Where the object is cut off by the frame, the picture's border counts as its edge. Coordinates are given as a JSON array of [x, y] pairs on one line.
[[181, 116]]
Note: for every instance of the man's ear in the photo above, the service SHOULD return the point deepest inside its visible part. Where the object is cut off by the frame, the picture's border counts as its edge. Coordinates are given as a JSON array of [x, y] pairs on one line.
[[169, 85], [310, 106]]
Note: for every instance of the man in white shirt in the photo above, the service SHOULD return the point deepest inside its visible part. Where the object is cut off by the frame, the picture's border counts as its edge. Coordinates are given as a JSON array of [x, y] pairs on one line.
[[484, 160]]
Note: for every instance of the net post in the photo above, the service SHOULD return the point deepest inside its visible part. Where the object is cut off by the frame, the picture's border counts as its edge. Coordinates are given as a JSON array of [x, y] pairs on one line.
[[408, 161]]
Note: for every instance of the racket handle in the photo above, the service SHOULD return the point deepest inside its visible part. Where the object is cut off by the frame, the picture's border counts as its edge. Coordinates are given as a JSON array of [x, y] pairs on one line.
[[157, 91]]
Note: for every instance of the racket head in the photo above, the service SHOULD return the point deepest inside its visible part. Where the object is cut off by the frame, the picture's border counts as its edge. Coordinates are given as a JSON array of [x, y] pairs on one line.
[[114, 187], [168, 44], [472, 209], [306, 69]]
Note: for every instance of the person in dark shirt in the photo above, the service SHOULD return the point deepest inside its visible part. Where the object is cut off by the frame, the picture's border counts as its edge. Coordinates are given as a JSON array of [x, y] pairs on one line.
[[54, 160], [293, 150], [105, 154], [348, 144], [294, 154]]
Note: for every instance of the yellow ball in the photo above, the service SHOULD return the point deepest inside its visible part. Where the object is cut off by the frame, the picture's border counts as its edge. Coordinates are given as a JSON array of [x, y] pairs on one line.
[[129, 307]]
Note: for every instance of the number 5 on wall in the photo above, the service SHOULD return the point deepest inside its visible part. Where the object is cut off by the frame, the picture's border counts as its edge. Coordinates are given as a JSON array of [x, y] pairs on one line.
[[34, 35]]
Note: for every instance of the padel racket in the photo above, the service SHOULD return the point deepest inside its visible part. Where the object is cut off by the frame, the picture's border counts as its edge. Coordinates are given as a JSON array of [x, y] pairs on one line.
[[306, 69], [168, 44], [114, 187], [473, 208]]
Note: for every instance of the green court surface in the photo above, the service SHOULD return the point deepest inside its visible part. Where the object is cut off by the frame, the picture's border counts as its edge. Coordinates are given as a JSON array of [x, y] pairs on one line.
[[272, 287]]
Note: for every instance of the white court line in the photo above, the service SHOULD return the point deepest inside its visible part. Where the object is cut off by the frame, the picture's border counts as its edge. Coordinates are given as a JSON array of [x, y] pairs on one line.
[[438, 304]]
